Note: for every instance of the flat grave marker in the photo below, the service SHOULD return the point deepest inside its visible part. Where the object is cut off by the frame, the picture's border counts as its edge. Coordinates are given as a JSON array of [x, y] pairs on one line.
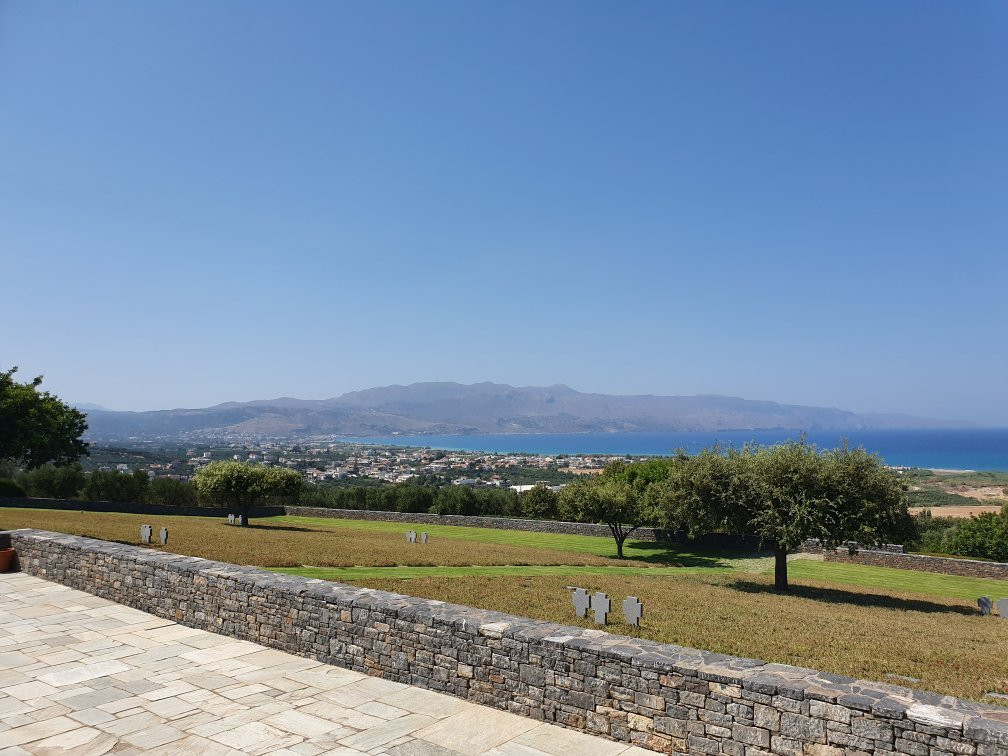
[[600, 604]]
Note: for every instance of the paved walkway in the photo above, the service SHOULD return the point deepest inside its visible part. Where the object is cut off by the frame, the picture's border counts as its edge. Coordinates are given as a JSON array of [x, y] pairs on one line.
[[83, 675]]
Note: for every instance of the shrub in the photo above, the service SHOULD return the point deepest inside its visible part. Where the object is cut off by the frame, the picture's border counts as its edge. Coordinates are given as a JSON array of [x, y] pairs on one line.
[[539, 504], [933, 535], [984, 536], [108, 485], [9, 488], [171, 492], [53, 482], [455, 500]]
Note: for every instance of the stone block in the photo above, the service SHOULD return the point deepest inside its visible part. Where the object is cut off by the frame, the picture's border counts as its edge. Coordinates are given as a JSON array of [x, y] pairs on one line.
[[832, 712], [766, 717], [751, 735]]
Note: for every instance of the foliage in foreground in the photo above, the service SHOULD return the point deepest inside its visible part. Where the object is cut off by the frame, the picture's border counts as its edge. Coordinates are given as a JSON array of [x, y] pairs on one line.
[[36, 427]]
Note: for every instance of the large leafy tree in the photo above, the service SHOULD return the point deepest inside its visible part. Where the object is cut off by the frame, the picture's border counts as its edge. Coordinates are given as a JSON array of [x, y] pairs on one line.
[[36, 427], [241, 486], [785, 495], [613, 498]]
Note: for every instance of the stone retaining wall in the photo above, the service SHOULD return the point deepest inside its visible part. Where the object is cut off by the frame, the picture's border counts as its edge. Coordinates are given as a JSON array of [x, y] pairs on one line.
[[131, 507], [498, 523], [666, 698], [815, 546], [714, 540], [943, 565]]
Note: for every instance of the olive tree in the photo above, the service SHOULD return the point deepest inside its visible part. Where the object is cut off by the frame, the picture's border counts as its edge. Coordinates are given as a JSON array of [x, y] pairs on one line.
[[785, 495], [608, 499], [241, 486]]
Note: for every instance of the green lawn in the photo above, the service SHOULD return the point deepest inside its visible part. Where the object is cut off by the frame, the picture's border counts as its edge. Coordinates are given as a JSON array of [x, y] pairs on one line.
[[646, 551], [927, 583], [358, 573]]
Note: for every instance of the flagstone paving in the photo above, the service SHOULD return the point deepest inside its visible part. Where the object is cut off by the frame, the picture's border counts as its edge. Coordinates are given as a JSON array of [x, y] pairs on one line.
[[82, 675]]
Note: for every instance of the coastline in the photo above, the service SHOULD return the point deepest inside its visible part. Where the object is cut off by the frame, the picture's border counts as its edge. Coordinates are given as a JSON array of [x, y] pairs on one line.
[[943, 452]]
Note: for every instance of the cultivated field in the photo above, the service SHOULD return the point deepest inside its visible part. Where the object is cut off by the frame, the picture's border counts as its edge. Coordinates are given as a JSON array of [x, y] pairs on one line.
[[877, 623], [954, 511]]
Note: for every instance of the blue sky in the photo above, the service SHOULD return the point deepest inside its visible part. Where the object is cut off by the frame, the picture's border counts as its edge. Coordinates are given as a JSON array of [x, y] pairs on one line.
[[804, 202]]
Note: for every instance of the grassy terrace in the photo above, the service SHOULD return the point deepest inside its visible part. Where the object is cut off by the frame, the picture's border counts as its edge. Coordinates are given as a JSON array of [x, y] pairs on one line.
[[863, 621]]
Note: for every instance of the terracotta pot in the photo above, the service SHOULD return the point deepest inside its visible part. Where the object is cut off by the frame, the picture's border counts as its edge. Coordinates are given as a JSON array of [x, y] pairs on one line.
[[6, 559]]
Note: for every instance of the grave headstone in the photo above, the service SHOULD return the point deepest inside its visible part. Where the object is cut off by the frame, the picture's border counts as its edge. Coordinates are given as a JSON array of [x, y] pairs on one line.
[[985, 604], [600, 605], [145, 533], [411, 536], [423, 538], [231, 519], [581, 601], [1002, 606], [164, 536], [633, 610]]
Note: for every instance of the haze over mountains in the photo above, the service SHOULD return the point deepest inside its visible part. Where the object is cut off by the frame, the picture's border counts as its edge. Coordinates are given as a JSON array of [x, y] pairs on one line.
[[454, 408]]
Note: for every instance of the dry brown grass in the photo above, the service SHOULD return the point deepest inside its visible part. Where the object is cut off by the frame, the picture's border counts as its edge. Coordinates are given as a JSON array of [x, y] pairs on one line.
[[858, 632], [957, 511], [864, 632], [283, 545]]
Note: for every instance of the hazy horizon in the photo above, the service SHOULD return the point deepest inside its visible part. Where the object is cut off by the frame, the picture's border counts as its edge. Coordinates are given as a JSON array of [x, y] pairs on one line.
[[91, 406], [801, 203]]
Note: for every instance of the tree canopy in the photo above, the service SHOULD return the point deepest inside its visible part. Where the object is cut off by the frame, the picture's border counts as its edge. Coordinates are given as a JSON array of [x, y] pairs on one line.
[[242, 486], [785, 495], [36, 427], [615, 498]]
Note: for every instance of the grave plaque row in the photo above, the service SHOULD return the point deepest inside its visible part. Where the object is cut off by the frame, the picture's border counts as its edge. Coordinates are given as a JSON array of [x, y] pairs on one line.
[[600, 604]]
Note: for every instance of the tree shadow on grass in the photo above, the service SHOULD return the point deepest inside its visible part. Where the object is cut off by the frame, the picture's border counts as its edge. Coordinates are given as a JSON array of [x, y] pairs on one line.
[[670, 554], [292, 528], [842, 596]]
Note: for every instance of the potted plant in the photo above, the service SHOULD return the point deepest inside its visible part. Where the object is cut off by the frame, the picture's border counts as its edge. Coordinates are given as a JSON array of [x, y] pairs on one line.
[[7, 553]]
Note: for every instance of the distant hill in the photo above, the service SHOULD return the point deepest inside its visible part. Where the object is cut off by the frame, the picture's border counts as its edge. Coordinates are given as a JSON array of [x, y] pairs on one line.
[[454, 408]]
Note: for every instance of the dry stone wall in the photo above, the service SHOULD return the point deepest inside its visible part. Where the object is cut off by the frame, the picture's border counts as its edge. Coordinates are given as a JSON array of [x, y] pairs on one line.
[[666, 698], [170, 510], [499, 523], [943, 565]]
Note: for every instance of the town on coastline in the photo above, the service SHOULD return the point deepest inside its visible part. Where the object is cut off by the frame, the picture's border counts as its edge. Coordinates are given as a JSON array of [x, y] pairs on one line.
[[349, 463]]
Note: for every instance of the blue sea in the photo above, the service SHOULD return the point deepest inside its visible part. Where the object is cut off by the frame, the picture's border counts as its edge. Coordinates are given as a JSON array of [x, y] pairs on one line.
[[968, 449]]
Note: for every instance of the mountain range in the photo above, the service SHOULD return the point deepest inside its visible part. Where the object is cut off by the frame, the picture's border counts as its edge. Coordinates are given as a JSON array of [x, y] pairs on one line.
[[454, 408]]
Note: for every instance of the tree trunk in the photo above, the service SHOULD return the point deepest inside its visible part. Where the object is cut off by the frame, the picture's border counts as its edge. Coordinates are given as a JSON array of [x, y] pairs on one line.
[[780, 569], [243, 519], [619, 548]]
